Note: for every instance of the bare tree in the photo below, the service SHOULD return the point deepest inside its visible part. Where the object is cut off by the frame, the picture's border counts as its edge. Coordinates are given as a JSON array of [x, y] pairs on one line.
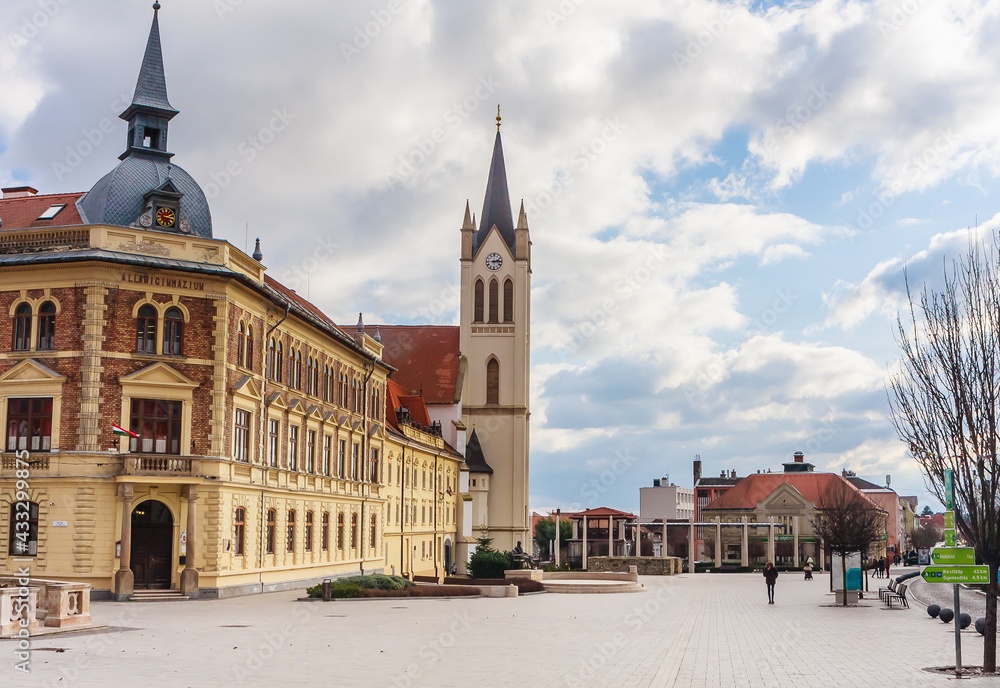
[[847, 521], [945, 403], [925, 537]]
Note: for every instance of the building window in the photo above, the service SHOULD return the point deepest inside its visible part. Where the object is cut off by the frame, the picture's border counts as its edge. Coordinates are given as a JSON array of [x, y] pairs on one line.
[[478, 314], [293, 447], [158, 424], [328, 383], [342, 460], [311, 451], [494, 301], [23, 529], [22, 327], [373, 532], [374, 468], [356, 462], [309, 531], [29, 424], [241, 437], [47, 326], [423, 550], [493, 382], [173, 327], [290, 541], [298, 370], [327, 443], [340, 532], [274, 426], [325, 536], [238, 531], [343, 390], [240, 343], [270, 531], [278, 362], [508, 300], [309, 376], [270, 359], [145, 330], [354, 531], [248, 349]]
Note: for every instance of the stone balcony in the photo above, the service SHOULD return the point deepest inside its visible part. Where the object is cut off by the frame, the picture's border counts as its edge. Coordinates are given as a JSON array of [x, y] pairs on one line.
[[161, 465]]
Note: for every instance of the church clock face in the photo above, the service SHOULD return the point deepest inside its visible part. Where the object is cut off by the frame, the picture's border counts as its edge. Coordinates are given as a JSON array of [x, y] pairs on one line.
[[494, 261], [165, 217]]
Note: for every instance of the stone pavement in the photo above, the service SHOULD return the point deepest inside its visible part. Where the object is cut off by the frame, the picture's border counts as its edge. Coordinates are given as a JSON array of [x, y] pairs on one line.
[[688, 630]]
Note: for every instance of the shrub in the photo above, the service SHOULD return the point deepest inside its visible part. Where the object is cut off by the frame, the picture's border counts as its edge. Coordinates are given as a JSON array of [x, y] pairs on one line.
[[339, 590], [355, 586], [489, 563], [549, 568]]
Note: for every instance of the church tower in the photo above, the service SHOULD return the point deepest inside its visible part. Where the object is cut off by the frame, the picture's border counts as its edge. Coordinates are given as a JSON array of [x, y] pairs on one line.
[[495, 325]]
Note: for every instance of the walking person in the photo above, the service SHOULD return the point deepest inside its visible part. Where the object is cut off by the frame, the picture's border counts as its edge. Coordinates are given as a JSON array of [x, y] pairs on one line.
[[888, 560], [770, 577]]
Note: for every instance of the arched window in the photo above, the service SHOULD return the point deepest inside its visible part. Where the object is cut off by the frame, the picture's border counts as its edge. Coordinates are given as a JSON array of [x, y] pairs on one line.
[[325, 537], [239, 528], [22, 327], [478, 314], [315, 377], [23, 528], [270, 359], [340, 531], [493, 382], [354, 531], [248, 353], [309, 375], [173, 328], [145, 331], [278, 362], [270, 531], [309, 531], [298, 370], [47, 326], [290, 544], [508, 300], [494, 301], [241, 336], [374, 532]]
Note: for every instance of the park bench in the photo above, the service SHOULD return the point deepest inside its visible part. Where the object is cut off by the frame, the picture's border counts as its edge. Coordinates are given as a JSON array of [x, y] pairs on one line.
[[899, 594], [885, 589]]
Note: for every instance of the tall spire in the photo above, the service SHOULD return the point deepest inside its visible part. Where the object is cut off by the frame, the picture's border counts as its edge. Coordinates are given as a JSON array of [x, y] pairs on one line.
[[150, 110], [496, 205]]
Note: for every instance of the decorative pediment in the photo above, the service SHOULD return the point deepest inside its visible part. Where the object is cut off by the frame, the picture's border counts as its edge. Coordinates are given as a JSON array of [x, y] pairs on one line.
[[158, 375], [248, 387], [375, 430], [785, 496], [30, 370], [294, 404], [274, 399], [327, 416]]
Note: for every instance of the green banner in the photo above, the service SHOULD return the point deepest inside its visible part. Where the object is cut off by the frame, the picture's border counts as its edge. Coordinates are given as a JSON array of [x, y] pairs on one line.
[[949, 538], [949, 490], [949, 519], [954, 556], [956, 574]]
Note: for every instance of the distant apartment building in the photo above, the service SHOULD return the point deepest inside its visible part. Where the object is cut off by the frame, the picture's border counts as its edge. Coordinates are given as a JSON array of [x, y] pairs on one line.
[[666, 500]]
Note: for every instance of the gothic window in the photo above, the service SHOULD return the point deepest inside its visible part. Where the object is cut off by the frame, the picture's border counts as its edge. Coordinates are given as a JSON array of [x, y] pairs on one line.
[[240, 343], [47, 326], [290, 543], [270, 359], [374, 532], [354, 531], [309, 531], [22, 327], [493, 382], [494, 301], [239, 528], [278, 362], [478, 315], [298, 370], [508, 300], [270, 531], [248, 350], [145, 330], [325, 537], [173, 326], [340, 531]]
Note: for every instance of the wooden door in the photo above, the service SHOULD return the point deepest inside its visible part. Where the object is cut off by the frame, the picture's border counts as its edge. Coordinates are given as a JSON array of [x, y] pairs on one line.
[[152, 545]]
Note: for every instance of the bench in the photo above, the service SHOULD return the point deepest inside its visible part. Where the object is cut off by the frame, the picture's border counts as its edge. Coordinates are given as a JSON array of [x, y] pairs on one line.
[[884, 590], [899, 594]]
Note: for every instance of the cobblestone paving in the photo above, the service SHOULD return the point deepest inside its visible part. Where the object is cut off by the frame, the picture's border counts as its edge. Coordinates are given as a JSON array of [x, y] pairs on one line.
[[691, 630]]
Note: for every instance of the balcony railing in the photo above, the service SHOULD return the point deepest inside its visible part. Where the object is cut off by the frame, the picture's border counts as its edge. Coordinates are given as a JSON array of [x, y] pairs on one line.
[[159, 464]]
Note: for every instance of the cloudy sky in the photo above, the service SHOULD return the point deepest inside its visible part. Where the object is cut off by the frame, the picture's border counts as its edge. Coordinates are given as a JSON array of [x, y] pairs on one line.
[[722, 197]]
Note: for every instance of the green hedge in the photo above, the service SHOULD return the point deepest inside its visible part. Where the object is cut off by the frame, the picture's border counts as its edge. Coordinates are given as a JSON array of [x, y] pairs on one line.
[[344, 588], [489, 563]]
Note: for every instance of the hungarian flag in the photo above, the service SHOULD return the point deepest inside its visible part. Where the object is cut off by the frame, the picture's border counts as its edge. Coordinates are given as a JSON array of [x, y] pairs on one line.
[[116, 430]]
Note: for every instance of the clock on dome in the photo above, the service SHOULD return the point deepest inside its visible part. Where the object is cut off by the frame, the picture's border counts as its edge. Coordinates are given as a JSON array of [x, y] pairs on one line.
[[494, 261], [165, 217]]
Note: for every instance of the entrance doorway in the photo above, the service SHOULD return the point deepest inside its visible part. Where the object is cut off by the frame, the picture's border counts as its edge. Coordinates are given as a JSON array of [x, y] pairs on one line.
[[447, 558], [152, 545]]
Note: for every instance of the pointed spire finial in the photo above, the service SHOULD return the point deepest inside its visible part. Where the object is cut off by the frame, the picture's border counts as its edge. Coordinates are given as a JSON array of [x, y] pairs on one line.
[[522, 219], [468, 222], [257, 255], [156, 6], [378, 335], [498, 116], [361, 324]]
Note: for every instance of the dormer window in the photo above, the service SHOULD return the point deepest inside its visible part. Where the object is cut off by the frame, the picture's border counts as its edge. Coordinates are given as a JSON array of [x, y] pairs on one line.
[[51, 212]]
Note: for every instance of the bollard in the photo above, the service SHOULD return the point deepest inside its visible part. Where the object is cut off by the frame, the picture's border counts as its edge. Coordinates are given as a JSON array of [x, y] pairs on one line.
[[326, 589]]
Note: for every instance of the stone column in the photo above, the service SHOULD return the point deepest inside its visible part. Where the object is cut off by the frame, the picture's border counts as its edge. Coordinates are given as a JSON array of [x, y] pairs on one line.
[[795, 541], [124, 580], [189, 576], [745, 546], [584, 542], [770, 542], [718, 542], [663, 550], [691, 548], [611, 536], [557, 538]]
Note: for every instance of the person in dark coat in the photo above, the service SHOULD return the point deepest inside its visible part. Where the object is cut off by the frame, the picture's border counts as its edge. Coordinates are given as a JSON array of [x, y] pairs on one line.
[[770, 577]]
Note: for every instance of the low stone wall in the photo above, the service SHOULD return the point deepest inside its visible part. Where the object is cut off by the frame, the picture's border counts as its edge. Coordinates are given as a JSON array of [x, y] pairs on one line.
[[647, 566]]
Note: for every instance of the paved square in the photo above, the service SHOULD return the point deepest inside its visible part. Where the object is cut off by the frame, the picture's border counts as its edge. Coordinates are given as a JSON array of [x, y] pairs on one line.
[[689, 630]]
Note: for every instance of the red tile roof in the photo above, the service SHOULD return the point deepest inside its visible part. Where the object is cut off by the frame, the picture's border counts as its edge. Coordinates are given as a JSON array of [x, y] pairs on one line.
[[426, 358], [599, 512], [22, 213], [398, 398], [753, 489]]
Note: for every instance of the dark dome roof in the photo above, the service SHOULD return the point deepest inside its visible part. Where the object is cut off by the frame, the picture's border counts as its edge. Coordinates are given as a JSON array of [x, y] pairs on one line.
[[117, 198]]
